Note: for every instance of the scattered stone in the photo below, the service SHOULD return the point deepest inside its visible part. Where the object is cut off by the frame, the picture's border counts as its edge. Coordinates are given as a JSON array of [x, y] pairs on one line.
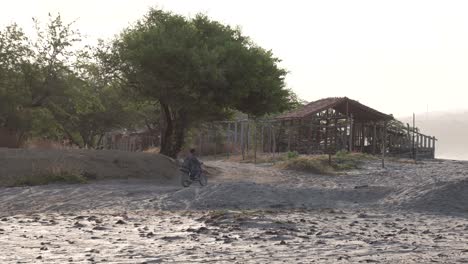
[[361, 186], [120, 222], [79, 225], [202, 230], [362, 215]]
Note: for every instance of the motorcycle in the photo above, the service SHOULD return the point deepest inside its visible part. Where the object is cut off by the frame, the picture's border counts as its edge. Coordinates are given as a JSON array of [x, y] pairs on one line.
[[187, 179]]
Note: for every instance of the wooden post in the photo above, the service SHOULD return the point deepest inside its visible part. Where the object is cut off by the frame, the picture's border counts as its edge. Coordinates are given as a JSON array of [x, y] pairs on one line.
[[274, 140], [247, 141], [235, 132], [413, 138], [408, 143], [348, 123], [228, 141], [270, 139], [362, 138], [374, 140], [433, 147], [263, 146], [384, 139], [351, 134], [215, 140], [242, 140], [418, 136], [326, 134], [255, 142], [200, 142], [335, 134]]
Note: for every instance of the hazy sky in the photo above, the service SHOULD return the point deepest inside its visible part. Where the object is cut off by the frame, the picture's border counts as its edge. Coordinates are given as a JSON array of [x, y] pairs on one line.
[[396, 56]]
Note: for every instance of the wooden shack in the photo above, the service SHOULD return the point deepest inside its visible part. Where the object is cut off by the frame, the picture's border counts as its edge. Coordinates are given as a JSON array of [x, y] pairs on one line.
[[332, 124]]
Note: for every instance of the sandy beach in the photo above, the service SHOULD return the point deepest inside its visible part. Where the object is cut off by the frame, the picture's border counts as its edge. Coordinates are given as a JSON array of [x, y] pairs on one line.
[[405, 213]]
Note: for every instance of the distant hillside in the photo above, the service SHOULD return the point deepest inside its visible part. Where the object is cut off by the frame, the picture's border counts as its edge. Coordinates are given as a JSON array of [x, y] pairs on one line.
[[451, 130]]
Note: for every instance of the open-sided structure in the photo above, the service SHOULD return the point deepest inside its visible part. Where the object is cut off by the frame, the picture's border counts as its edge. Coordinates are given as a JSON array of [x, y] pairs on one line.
[[339, 123]]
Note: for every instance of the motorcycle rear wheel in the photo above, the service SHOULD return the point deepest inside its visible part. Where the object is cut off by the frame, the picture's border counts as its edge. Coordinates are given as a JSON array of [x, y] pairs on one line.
[[185, 179]]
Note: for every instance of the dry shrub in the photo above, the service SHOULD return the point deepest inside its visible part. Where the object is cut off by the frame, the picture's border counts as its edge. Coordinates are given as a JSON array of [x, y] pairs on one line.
[[153, 150], [261, 158], [52, 174], [349, 160], [313, 164], [45, 144], [403, 160], [341, 161]]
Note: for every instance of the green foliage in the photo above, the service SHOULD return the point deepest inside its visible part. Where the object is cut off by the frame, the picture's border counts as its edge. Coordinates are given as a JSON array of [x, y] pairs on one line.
[[307, 164], [167, 73], [342, 161], [293, 154], [53, 175], [295, 102], [88, 110], [197, 69], [32, 71], [49, 89]]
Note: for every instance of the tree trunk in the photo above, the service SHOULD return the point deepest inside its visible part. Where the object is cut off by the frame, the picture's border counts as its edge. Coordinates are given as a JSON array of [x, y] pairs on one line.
[[173, 131]]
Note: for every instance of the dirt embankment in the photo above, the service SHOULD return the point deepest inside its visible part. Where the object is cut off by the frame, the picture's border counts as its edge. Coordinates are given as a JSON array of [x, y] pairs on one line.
[[101, 164]]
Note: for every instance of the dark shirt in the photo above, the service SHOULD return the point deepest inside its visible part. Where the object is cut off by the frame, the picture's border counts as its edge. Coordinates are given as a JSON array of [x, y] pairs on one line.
[[192, 163]]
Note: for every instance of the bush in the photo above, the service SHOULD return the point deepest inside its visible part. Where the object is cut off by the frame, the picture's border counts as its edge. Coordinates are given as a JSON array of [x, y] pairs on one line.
[[293, 154], [308, 164], [344, 160], [49, 176], [320, 164]]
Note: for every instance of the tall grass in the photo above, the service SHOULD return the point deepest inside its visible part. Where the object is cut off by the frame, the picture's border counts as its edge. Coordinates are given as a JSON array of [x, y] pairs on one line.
[[53, 174], [321, 164]]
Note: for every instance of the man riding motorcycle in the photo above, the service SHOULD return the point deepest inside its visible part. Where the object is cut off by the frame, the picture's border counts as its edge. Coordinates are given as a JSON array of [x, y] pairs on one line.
[[193, 164]]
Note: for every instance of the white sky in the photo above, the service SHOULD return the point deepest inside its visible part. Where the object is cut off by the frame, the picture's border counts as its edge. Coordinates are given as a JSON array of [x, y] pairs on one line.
[[396, 56]]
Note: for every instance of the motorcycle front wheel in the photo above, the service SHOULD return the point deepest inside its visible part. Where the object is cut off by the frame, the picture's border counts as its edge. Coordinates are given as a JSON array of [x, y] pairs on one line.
[[203, 180]]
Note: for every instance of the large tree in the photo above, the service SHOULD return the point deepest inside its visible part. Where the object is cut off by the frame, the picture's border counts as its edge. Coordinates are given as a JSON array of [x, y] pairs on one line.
[[32, 71], [49, 88], [197, 70]]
